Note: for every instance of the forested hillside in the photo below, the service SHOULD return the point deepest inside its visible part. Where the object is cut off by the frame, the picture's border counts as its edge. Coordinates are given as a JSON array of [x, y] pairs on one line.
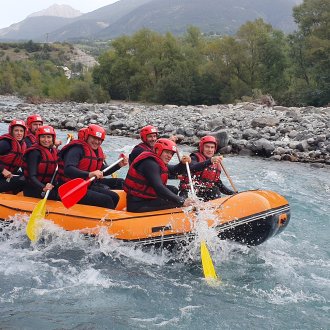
[[193, 69]]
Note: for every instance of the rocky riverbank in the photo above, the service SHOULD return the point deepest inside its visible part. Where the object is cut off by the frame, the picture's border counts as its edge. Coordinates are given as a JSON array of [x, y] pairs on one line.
[[277, 132]]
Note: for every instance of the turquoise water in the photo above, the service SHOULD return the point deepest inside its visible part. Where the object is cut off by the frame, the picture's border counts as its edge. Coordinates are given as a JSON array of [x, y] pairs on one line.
[[67, 281]]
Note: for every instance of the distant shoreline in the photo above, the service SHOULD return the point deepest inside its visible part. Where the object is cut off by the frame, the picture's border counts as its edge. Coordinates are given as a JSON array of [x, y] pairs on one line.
[[277, 132]]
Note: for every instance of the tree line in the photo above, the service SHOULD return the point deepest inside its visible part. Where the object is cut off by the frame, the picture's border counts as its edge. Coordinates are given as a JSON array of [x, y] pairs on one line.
[[197, 69]]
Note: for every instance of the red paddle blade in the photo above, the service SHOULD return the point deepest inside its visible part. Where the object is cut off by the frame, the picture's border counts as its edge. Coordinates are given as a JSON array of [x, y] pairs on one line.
[[73, 191]]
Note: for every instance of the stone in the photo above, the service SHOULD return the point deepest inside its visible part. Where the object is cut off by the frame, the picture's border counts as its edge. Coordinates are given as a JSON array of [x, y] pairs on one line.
[[264, 121], [263, 147], [250, 133], [222, 137]]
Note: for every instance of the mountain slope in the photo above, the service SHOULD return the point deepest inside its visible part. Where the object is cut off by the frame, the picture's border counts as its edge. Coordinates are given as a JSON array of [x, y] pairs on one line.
[[128, 16], [221, 16], [33, 28], [90, 24]]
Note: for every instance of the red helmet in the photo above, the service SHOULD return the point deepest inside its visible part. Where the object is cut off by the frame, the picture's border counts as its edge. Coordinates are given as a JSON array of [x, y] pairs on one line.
[[32, 119], [207, 139], [82, 133], [147, 130], [17, 122], [164, 144], [49, 130], [96, 131]]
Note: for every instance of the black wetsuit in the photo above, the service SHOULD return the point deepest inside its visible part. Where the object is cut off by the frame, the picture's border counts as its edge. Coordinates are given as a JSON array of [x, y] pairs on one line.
[[166, 197], [34, 188], [16, 183], [28, 142], [99, 193], [207, 193]]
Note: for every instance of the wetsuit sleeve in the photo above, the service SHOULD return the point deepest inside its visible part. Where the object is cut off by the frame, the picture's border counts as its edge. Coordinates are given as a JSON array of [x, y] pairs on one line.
[[71, 160], [151, 171], [5, 146], [135, 152], [194, 166], [33, 158], [197, 166], [174, 170]]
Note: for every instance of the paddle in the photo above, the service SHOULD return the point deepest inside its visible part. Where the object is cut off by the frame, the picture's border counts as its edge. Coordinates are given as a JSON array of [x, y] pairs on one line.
[[114, 175], [39, 211], [74, 190], [229, 178], [207, 263]]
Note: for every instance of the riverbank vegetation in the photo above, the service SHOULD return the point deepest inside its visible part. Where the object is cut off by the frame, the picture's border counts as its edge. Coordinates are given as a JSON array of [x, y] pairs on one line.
[[191, 69]]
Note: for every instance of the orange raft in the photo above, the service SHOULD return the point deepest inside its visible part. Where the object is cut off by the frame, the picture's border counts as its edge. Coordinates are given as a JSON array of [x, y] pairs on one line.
[[249, 217]]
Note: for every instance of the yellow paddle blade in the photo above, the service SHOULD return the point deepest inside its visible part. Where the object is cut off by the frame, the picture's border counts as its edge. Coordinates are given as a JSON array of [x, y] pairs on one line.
[[207, 263], [32, 228]]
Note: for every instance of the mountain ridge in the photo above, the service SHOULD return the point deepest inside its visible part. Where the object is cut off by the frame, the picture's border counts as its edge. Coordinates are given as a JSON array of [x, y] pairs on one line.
[[56, 10]]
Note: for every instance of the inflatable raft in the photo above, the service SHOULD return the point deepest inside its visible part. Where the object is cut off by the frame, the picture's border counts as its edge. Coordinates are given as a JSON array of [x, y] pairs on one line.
[[249, 217]]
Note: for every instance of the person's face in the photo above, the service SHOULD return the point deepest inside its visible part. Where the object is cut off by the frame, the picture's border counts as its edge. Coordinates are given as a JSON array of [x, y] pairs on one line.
[[46, 140], [34, 126], [166, 156], [209, 150], [18, 133], [151, 139], [94, 142]]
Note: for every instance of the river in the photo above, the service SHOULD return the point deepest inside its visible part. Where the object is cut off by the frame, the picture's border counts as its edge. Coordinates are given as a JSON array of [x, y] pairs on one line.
[[66, 281]]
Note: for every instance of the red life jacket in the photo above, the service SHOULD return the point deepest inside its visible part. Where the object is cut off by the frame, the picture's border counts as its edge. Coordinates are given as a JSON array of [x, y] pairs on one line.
[[136, 184], [91, 160], [204, 179], [47, 164], [31, 137], [143, 146], [14, 158]]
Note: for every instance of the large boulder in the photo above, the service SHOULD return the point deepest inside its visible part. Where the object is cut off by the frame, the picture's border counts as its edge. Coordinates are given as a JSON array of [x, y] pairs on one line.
[[264, 121], [222, 137], [263, 147]]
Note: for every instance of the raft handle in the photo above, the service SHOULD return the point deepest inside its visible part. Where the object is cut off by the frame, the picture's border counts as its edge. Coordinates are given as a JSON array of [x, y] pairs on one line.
[[160, 228]]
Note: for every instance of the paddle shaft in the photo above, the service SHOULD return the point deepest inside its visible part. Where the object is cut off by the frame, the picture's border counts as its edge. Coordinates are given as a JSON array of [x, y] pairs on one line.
[[107, 168], [229, 178], [190, 181]]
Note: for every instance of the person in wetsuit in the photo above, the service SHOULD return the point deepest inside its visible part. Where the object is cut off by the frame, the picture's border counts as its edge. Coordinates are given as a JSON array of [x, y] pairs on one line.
[[145, 183], [85, 159], [148, 135], [106, 183], [40, 164], [205, 171], [33, 122], [12, 148]]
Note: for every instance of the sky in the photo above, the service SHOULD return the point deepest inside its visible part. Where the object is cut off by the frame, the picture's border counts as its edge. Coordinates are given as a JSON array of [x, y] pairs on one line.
[[14, 11]]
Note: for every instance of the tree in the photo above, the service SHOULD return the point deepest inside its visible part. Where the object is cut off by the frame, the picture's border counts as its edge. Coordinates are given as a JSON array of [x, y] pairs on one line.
[[265, 58], [310, 49]]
